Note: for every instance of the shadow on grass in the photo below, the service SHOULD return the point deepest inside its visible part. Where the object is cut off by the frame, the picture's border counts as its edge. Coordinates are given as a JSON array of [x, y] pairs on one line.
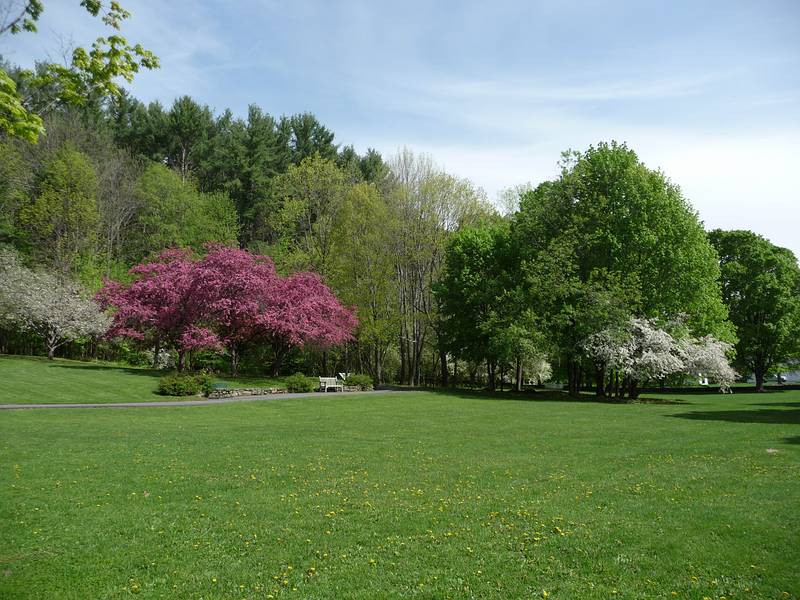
[[109, 368], [772, 416], [532, 396], [792, 440]]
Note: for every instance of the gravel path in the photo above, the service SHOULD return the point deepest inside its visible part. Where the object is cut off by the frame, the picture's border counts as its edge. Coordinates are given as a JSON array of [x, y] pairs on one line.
[[170, 403]]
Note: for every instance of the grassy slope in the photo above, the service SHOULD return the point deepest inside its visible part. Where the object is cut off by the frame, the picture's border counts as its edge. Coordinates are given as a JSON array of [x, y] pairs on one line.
[[29, 380], [414, 495]]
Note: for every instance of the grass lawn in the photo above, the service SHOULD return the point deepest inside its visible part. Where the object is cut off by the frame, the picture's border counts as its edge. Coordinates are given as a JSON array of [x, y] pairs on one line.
[[414, 494], [32, 380]]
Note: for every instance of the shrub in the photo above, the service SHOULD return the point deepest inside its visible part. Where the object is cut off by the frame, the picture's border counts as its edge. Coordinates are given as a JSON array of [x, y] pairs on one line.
[[204, 382], [362, 381], [136, 358], [300, 383], [179, 384]]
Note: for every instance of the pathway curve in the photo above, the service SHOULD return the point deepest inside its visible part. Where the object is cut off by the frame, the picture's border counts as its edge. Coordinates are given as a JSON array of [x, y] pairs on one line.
[[169, 403]]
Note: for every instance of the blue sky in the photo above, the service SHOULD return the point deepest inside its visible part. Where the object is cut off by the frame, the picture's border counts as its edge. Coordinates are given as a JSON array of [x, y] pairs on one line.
[[707, 91]]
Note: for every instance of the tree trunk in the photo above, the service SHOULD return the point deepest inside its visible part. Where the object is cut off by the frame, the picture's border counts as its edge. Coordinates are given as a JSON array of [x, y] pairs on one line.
[[759, 373], [275, 367], [235, 359], [443, 366], [403, 354], [600, 381], [633, 389], [419, 342], [156, 352], [51, 352], [181, 357], [518, 374], [573, 373]]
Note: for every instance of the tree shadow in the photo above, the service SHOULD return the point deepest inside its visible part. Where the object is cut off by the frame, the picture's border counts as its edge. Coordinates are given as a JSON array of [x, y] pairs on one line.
[[109, 368], [771, 416], [541, 395], [792, 440]]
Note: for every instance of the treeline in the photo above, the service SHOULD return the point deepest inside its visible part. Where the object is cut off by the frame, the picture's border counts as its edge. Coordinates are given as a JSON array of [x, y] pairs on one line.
[[115, 183], [586, 274]]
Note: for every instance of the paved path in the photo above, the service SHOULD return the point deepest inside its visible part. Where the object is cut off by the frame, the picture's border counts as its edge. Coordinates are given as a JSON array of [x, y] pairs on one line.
[[169, 403]]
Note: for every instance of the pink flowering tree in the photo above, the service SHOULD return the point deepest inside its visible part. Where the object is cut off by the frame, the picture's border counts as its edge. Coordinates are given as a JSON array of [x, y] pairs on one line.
[[304, 312], [238, 287], [231, 298], [163, 306]]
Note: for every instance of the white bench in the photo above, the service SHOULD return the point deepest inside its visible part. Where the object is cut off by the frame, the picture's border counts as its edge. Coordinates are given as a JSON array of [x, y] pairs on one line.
[[326, 383]]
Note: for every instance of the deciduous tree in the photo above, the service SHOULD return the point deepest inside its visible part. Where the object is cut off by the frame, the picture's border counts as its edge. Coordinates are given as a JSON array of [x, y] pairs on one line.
[[761, 286], [609, 218], [55, 309], [62, 218]]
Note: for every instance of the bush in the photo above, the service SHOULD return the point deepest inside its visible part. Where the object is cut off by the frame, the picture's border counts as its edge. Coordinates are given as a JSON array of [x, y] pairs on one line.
[[362, 381], [204, 382], [300, 383], [179, 384]]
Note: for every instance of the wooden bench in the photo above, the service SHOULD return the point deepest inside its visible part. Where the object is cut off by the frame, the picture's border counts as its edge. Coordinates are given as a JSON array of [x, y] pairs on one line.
[[326, 383]]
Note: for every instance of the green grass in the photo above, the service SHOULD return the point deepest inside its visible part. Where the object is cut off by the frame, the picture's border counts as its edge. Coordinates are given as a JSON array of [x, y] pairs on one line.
[[31, 380], [252, 382], [413, 494]]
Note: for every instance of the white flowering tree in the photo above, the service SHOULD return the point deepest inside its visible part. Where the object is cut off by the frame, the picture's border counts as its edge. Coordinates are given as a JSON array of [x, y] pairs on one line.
[[709, 356], [641, 351], [538, 368], [37, 302]]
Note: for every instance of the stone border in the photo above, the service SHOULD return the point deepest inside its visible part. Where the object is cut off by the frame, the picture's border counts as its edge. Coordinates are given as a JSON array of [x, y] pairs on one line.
[[236, 392]]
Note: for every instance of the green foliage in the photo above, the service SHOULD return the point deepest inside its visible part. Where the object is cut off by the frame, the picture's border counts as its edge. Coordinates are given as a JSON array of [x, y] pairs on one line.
[[612, 213], [361, 381], [300, 383], [761, 287], [15, 120], [301, 213], [363, 268], [185, 384], [308, 137], [15, 182], [611, 238], [174, 214], [133, 356], [91, 74], [61, 220], [473, 280]]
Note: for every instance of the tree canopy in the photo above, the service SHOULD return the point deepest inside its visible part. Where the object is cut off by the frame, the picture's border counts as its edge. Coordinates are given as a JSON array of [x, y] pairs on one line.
[[91, 74], [761, 286]]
